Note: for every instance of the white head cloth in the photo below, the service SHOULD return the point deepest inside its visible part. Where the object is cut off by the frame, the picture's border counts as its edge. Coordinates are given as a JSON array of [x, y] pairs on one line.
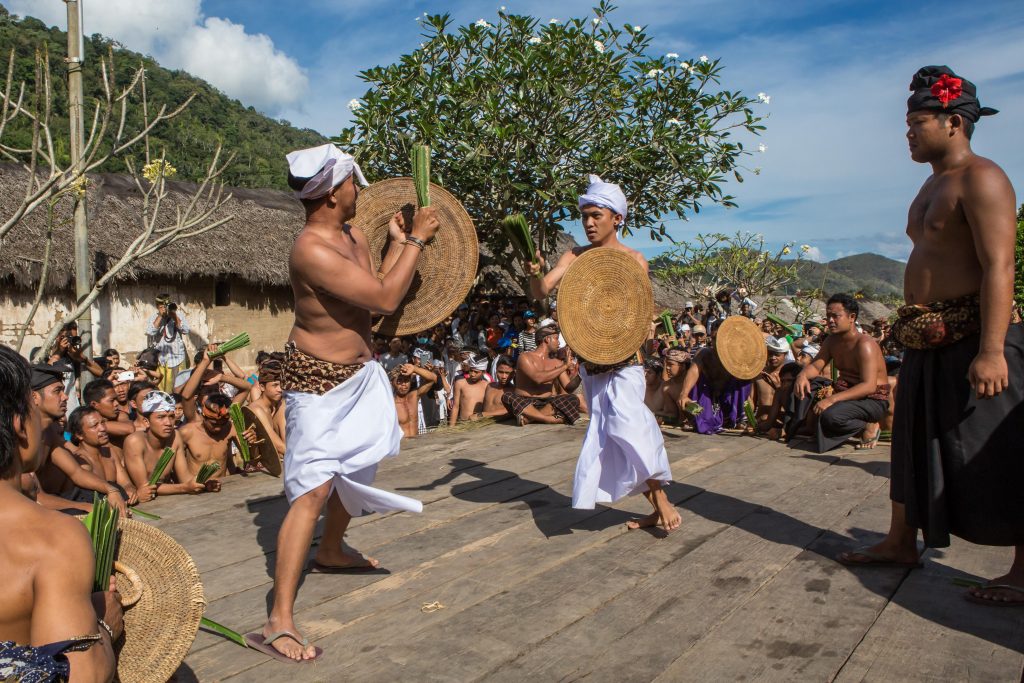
[[777, 344], [157, 402], [605, 195], [326, 167], [478, 364], [811, 350]]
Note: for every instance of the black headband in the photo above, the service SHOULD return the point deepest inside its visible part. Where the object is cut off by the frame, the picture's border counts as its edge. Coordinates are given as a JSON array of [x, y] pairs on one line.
[[938, 89]]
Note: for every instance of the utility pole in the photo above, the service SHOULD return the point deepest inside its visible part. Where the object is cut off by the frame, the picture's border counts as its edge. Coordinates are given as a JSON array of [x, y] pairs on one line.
[[83, 265]]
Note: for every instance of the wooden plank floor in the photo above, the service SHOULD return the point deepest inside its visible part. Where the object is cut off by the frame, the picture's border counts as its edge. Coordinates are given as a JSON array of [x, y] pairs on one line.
[[533, 590]]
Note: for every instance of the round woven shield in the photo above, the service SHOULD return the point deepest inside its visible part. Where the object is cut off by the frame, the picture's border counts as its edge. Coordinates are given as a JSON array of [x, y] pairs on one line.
[[161, 625], [445, 270], [265, 450], [605, 304], [741, 347]]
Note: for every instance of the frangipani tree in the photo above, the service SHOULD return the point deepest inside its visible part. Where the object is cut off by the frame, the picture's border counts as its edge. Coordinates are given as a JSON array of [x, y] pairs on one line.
[[519, 111]]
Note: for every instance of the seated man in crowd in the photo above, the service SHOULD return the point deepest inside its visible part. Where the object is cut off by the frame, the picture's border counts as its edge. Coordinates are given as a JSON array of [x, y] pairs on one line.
[[269, 407], [207, 379], [767, 396], [859, 398], [122, 381], [534, 398], [719, 395], [49, 628], [653, 369], [407, 397], [137, 393], [469, 392], [59, 472], [88, 432], [143, 449], [101, 396], [212, 439], [503, 383], [676, 364]]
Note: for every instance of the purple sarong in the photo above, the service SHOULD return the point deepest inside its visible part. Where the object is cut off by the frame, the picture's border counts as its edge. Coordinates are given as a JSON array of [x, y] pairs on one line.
[[725, 409]]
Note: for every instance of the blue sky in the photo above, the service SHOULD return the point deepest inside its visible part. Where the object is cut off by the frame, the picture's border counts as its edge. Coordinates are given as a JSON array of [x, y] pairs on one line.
[[836, 173]]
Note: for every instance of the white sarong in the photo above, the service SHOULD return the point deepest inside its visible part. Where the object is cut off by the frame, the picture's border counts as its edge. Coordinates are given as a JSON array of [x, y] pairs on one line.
[[624, 447], [342, 435]]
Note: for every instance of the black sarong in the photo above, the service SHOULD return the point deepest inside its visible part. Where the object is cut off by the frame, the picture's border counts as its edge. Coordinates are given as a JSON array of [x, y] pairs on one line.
[[958, 461], [846, 419]]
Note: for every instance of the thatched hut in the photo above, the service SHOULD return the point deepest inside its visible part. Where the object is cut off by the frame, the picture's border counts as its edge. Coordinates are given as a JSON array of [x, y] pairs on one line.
[[231, 279]]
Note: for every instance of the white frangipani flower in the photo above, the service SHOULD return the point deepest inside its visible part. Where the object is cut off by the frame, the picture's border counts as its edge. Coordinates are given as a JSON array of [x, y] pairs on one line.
[[762, 148], [483, 23], [599, 46], [704, 58], [671, 55], [653, 73], [673, 122], [555, 21], [354, 105], [684, 65], [786, 250], [638, 28], [596, 20], [762, 97], [534, 40], [805, 248], [502, 8]]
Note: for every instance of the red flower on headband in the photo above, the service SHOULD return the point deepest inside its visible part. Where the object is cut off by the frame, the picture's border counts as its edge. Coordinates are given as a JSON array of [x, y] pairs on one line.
[[947, 89]]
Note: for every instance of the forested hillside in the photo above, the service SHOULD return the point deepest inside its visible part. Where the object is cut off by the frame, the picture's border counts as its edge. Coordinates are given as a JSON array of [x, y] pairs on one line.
[[259, 142]]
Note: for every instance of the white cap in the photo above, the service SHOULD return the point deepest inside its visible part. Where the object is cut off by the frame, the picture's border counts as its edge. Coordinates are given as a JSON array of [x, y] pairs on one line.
[[684, 328], [777, 345], [326, 167], [689, 304]]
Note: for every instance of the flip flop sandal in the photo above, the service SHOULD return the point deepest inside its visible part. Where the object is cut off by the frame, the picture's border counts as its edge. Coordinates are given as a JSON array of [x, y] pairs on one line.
[[257, 642], [317, 568], [996, 603], [874, 560], [866, 443]]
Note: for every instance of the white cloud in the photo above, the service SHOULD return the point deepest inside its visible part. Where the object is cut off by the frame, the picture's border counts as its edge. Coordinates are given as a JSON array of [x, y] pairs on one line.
[[815, 254], [244, 66]]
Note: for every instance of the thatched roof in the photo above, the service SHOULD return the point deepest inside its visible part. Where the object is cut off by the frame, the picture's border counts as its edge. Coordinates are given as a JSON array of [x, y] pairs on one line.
[[253, 246]]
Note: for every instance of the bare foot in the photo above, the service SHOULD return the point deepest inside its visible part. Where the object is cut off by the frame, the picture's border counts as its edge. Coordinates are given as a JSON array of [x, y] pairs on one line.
[[287, 645], [669, 518], [339, 559], [644, 522], [886, 552]]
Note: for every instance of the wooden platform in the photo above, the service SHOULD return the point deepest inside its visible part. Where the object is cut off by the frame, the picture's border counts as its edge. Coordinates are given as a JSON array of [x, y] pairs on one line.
[[533, 590]]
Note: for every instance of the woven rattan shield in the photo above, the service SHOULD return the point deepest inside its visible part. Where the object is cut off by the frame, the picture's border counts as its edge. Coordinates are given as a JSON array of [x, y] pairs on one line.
[[741, 347], [605, 304], [446, 269], [163, 600]]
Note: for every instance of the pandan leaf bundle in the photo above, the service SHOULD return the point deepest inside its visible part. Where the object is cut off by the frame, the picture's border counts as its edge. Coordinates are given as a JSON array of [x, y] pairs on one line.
[[161, 466], [235, 411], [518, 233], [421, 173], [206, 472], [233, 344], [102, 526]]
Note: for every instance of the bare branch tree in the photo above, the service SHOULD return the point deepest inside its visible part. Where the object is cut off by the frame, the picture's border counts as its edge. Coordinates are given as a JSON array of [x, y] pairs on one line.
[[47, 181]]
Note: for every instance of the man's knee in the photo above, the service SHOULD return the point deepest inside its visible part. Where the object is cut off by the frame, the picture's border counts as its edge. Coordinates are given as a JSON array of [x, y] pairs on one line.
[[834, 420], [314, 499]]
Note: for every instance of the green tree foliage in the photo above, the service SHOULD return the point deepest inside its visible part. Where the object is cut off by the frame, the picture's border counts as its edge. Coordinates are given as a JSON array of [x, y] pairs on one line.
[[519, 112], [258, 142]]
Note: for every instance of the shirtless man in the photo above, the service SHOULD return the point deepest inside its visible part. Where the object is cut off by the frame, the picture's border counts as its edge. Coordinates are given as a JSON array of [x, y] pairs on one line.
[[143, 449], [59, 472], [956, 465], [653, 370], [468, 399], [122, 381], [860, 397], [47, 559], [270, 405], [212, 439], [768, 396], [407, 399], [534, 399], [674, 375], [101, 396], [332, 385], [88, 429], [604, 208], [502, 384], [137, 393], [206, 379]]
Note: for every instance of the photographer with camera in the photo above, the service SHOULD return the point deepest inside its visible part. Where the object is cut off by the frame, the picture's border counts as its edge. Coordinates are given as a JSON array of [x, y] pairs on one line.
[[166, 333], [66, 353]]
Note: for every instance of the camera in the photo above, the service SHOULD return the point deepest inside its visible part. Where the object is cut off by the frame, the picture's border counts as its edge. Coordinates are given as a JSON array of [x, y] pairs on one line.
[[172, 307], [75, 341]]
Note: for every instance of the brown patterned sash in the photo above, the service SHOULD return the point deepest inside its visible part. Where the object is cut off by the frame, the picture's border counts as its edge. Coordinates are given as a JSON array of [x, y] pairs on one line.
[[302, 372], [932, 326]]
